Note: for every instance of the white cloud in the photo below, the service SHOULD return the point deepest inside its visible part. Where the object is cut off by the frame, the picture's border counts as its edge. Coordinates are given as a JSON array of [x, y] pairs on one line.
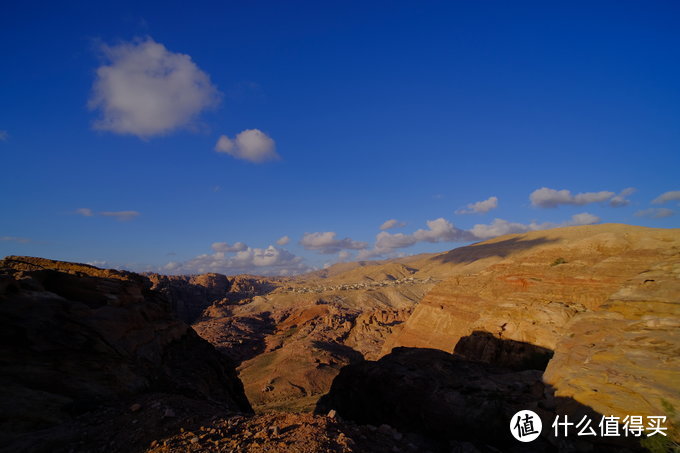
[[655, 213], [252, 145], [673, 195], [441, 230], [387, 241], [480, 207], [283, 240], [392, 223], [121, 216], [3, 136], [620, 200], [15, 239], [327, 243], [551, 198], [499, 227], [85, 212], [260, 261], [225, 248], [146, 90]]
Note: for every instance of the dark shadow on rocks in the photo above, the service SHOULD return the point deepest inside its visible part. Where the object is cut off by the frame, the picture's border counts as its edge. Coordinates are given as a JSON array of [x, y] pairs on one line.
[[339, 350], [501, 249], [481, 346], [451, 399], [73, 344], [240, 338], [190, 295]]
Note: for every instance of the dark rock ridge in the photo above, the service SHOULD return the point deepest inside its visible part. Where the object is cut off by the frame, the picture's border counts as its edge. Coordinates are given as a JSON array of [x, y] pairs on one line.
[[75, 338], [515, 355], [448, 397]]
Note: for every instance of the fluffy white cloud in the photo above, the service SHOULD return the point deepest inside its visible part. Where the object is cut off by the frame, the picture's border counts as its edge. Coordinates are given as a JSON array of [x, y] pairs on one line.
[[500, 227], [252, 145], [673, 195], [655, 213], [551, 198], [441, 230], [480, 207], [3, 136], [260, 261], [392, 223], [225, 248], [327, 243], [146, 90], [121, 216], [283, 240], [85, 212], [387, 241]]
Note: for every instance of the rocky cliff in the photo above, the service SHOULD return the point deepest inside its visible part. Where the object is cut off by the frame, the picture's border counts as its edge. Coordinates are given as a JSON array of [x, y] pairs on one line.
[[625, 357], [76, 339], [189, 295], [604, 298]]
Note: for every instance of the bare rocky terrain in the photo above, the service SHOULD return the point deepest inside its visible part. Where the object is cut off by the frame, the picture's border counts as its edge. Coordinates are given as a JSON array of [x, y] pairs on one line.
[[577, 320]]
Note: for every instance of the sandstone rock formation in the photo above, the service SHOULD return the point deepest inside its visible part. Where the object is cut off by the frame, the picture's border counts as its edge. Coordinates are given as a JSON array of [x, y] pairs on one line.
[[529, 296], [76, 338], [292, 341], [604, 298], [189, 295], [624, 358], [524, 288]]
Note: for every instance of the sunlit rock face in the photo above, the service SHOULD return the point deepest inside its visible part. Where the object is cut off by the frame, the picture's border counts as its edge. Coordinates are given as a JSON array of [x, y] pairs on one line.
[[624, 359], [603, 298]]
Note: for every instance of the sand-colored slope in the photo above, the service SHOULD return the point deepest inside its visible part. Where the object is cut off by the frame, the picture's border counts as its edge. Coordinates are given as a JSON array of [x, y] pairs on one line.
[[624, 358], [605, 298], [543, 279]]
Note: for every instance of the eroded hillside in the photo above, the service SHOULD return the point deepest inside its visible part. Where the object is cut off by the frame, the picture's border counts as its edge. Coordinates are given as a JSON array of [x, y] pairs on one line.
[[577, 321]]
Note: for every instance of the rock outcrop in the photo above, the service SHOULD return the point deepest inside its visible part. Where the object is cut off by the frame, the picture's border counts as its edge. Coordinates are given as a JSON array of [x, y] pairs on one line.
[[76, 338], [190, 295], [605, 299], [624, 359], [455, 401], [434, 393]]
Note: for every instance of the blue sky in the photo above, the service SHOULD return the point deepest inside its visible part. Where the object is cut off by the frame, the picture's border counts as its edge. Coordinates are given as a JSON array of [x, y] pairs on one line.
[[155, 136]]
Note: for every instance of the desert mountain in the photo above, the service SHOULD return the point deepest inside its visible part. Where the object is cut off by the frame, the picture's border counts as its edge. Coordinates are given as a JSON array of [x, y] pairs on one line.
[[577, 320]]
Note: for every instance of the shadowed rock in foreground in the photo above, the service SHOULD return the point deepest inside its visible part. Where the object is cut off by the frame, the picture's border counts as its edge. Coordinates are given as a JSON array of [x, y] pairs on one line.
[[452, 399], [75, 338]]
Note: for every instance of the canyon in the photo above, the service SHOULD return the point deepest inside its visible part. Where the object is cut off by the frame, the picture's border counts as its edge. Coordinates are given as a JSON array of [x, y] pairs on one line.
[[423, 353]]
